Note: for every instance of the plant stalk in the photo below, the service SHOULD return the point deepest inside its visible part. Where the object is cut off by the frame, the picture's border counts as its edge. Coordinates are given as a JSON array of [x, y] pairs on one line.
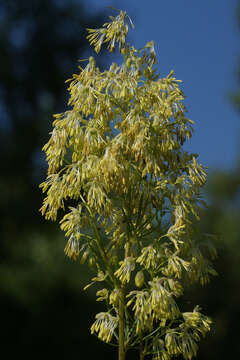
[[121, 345], [141, 353]]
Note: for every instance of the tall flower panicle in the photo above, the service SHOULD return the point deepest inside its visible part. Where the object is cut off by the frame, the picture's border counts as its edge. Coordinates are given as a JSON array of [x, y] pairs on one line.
[[116, 155]]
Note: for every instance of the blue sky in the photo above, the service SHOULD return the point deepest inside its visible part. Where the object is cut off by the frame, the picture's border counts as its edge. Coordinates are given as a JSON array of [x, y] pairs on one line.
[[200, 41]]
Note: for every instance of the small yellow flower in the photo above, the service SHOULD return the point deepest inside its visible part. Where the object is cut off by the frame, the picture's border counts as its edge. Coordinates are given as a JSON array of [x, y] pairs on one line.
[[102, 295], [72, 249]]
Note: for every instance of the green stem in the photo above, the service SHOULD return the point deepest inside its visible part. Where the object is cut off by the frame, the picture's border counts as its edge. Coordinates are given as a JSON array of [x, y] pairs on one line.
[[121, 311], [121, 346], [141, 353]]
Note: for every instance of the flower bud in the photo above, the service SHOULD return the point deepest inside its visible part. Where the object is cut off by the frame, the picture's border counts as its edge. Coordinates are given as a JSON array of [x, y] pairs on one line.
[[139, 279]]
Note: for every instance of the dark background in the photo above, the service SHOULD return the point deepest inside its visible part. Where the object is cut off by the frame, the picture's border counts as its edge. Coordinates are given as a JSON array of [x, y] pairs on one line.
[[44, 311]]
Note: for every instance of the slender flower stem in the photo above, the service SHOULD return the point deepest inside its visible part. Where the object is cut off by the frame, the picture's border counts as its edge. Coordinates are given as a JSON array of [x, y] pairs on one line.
[[141, 353], [121, 347], [121, 312]]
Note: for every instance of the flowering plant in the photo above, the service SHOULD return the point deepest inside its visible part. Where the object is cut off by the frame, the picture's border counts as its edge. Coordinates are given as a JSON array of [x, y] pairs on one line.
[[118, 153]]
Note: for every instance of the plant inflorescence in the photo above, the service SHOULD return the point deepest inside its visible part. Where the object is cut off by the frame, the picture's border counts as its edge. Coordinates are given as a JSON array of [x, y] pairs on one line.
[[118, 154]]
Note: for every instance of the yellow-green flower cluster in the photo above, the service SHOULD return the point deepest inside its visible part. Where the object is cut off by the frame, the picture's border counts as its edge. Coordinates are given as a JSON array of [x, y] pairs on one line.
[[159, 350], [125, 270], [184, 339], [142, 310], [197, 321], [162, 302], [112, 32], [148, 257], [154, 305], [104, 326]]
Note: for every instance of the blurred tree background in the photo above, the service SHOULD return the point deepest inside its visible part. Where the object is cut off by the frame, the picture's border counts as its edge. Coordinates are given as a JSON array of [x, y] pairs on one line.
[[44, 311]]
